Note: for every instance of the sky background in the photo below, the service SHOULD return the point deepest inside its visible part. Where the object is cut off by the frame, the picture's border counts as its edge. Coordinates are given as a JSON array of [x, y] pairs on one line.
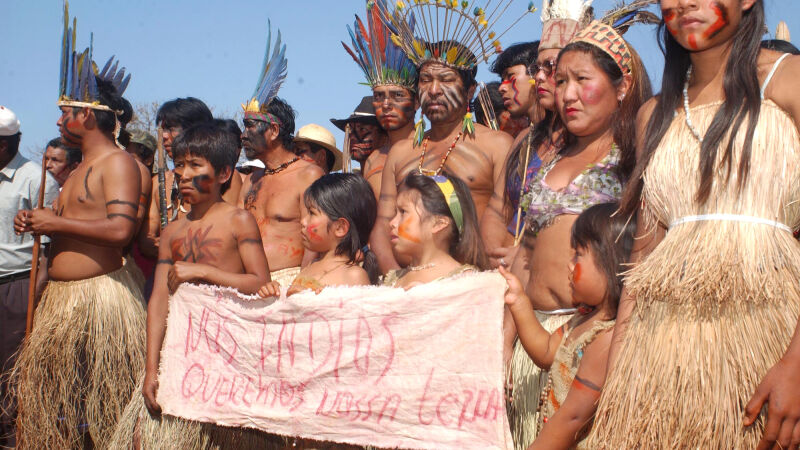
[[213, 50]]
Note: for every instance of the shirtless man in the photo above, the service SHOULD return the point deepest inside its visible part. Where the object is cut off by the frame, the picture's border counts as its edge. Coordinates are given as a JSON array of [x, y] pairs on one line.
[[477, 159], [173, 117], [395, 108], [91, 316], [275, 195]]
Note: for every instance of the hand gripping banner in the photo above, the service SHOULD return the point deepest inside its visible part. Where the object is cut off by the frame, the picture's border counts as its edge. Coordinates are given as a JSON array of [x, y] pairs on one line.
[[365, 365]]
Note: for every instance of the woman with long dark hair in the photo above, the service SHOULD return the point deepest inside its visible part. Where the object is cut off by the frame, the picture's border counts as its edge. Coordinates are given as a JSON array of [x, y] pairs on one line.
[[704, 336]]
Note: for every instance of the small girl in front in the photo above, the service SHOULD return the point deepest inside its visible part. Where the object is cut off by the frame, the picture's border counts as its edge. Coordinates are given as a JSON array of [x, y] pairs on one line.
[[340, 213], [436, 228], [576, 354]]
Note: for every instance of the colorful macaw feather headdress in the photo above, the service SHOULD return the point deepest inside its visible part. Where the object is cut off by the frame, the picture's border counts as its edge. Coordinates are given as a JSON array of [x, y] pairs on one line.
[[458, 34], [273, 74], [77, 85], [383, 61], [606, 34]]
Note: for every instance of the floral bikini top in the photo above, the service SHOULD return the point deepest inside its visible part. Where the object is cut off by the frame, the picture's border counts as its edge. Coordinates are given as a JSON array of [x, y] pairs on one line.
[[597, 184]]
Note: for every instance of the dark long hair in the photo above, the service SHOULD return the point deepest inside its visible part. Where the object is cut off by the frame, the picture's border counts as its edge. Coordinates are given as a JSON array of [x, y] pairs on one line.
[[742, 101], [465, 247], [348, 196], [540, 132], [623, 123], [610, 236]]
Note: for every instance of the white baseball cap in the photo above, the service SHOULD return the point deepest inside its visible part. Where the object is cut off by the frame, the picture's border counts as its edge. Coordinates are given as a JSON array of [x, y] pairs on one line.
[[9, 124]]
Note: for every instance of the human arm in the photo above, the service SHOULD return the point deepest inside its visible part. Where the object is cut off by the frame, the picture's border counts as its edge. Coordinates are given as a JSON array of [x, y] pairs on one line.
[[157, 309], [121, 190], [151, 225], [251, 252], [540, 345], [563, 429], [387, 202], [497, 214], [779, 387]]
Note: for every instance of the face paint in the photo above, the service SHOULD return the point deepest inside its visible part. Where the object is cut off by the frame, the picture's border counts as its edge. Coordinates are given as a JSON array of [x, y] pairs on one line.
[[311, 231], [451, 99], [721, 22], [403, 233], [576, 273], [513, 82], [669, 15], [202, 183], [590, 94], [693, 42]]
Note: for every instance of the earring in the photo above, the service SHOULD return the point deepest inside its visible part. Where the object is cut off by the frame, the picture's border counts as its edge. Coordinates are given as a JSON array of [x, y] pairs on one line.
[[468, 126]]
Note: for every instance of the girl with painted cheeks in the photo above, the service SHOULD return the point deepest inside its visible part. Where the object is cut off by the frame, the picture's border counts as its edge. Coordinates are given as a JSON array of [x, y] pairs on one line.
[[436, 228], [578, 351], [340, 213]]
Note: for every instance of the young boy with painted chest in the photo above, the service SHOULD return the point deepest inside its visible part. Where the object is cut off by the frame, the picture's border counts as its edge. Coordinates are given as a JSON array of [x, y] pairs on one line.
[[216, 243]]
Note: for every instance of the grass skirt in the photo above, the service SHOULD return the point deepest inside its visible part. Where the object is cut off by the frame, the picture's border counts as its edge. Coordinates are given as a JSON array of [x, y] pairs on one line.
[[529, 380], [81, 361]]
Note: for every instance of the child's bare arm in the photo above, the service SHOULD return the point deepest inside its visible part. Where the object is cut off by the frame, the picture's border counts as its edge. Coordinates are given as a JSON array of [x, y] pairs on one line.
[[251, 251], [578, 409], [157, 310], [540, 345]]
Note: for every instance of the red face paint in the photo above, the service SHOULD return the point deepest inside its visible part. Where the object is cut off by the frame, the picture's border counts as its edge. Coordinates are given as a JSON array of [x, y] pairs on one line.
[[311, 231], [720, 23], [693, 42], [590, 94], [669, 15], [576, 273], [403, 233]]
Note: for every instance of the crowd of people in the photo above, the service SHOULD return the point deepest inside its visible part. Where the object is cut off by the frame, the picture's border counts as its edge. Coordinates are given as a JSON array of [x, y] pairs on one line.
[[647, 241]]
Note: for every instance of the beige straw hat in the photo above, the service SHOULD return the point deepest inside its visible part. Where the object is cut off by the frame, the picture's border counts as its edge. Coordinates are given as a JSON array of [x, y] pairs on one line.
[[317, 134]]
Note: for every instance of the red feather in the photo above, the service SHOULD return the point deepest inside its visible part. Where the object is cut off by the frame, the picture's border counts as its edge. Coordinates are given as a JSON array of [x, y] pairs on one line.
[[347, 49], [364, 33], [378, 29]]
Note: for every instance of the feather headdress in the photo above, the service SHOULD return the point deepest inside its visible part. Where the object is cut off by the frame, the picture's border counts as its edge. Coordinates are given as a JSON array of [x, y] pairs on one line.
[[383, 61], [606, 33], [561, 20], [458, 34], [272, 76], [77, 85]]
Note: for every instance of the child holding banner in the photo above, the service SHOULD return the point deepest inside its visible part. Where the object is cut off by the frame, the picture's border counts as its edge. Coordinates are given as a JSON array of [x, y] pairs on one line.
[[602, 243], [436, 228], [340, 213], [216, 243]]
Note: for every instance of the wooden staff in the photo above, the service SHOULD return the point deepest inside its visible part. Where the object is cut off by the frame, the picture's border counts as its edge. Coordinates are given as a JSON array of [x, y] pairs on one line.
[[346, 161], [161, 169], [518, 232], [37, 244]]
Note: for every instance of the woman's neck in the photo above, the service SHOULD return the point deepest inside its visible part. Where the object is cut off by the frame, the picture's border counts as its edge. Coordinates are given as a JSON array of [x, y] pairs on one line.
[[593, 144], [430, 254], [331, 256], [709, 65]]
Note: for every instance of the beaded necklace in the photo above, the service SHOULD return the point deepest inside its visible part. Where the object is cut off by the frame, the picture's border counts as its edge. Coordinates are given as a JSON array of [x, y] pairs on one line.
[[441, 165], [686, 110], [281, 168]]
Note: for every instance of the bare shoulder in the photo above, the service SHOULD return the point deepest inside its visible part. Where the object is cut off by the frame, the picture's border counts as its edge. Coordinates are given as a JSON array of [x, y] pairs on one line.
[[491, 141], [783, 87], [309, 171], [173, 229], [241, 219], [400, 149], [355, 276]]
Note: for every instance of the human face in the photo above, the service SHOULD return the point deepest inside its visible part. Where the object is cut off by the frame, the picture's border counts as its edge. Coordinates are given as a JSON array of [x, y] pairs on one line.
[[394, 106], [253, 140], [701, 24], [70, 126], [168, 136], [364, 138], [55, 160], [517, 91], [315, 153], [585, 97], [316, 230], [196, 179], [442, 93], [407, 226], [587, 282], [545, 82]]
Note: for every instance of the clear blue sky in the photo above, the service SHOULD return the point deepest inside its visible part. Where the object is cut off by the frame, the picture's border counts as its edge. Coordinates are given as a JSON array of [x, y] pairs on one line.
[[213, 49]]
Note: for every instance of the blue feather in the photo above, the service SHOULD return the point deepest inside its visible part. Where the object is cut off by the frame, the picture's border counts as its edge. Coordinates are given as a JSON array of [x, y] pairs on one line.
[[624, 19]]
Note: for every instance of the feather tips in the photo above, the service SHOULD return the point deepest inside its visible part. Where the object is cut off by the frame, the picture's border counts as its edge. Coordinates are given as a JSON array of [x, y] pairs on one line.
[[273, 69], [624, 15]]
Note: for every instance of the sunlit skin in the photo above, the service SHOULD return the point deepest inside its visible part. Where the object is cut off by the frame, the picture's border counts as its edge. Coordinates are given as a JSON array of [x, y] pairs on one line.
[[545, 84], [69, 126], [55, 159], [701, 24], [519, 95], [477, 159]]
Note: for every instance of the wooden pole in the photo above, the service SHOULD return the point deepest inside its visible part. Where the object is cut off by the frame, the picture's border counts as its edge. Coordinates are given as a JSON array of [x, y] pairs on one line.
[[37, 244]]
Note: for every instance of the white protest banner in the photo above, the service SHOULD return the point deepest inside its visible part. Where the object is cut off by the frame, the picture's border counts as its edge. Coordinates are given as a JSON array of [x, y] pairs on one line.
[[367, 366]]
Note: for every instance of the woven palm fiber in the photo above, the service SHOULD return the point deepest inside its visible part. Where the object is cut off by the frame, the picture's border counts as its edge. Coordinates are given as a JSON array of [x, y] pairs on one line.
[[528, 381], [81, 361], [716, 301]]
